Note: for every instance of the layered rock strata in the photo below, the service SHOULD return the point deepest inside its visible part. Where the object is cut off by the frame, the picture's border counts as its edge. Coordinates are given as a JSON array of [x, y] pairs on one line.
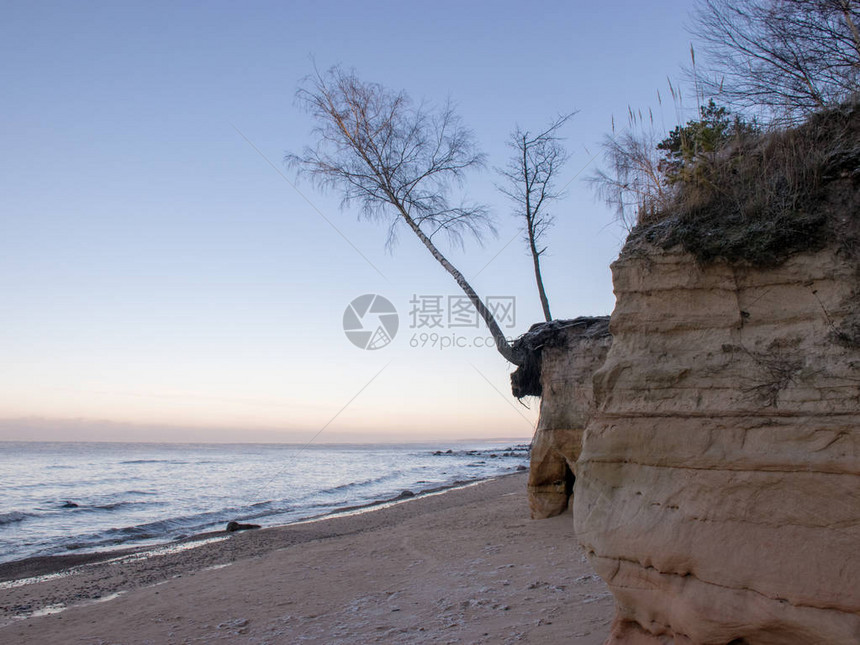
[[718, 489], [568, 354]]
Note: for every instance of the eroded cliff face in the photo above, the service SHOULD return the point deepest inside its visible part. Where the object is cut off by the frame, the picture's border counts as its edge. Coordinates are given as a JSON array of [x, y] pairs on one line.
[[718, 489], [570, 353]]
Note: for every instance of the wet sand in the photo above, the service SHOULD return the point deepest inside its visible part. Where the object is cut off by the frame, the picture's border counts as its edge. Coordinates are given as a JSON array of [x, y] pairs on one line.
[[463, 566]]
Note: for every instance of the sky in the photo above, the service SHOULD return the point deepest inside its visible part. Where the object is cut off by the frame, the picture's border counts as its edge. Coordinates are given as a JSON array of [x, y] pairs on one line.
[[164, 277]]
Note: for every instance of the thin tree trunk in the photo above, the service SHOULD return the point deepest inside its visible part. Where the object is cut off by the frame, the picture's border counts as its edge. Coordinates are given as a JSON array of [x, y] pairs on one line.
[[544, 301], [502, 344]]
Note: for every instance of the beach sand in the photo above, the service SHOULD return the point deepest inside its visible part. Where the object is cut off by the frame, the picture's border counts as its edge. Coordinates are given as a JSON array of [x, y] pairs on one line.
[[463, 566]]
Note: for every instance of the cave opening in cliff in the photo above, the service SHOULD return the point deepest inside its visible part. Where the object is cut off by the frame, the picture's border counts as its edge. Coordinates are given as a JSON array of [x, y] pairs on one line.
[[569, 480]]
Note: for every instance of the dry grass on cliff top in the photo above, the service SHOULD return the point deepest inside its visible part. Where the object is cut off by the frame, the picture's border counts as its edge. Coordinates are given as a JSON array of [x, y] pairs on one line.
[[767, 197]]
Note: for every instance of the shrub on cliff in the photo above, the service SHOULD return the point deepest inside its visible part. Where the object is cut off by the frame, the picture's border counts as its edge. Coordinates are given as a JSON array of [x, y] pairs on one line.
[[762, 197], [688, 149], [721, 187]]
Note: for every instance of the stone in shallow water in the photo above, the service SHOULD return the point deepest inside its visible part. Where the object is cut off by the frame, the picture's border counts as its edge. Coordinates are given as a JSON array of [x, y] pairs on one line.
[[235, 526]]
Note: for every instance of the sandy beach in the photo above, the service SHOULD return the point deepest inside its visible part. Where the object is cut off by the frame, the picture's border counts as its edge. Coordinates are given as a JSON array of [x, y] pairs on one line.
[[463, 566]]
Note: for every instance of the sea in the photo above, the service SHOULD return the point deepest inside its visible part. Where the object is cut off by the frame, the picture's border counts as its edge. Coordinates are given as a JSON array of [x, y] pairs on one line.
[[61, 498]]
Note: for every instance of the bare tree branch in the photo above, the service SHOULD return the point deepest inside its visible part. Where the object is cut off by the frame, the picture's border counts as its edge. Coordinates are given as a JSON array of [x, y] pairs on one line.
[[788, 57], [633, 183]]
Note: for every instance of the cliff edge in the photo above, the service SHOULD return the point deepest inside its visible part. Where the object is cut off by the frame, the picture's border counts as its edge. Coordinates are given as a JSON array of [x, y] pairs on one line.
[[562, 358], [718, 489]]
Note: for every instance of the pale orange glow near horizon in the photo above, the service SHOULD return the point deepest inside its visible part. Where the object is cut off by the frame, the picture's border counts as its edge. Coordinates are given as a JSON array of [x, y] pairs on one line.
[[397, 396], [99, 430]]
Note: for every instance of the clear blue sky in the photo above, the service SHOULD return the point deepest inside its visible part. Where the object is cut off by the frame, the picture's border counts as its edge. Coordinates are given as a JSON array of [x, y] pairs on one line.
[[155, 270]]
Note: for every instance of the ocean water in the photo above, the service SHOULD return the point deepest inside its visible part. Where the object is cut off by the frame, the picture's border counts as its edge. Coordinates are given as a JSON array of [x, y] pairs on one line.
[[60, 498]]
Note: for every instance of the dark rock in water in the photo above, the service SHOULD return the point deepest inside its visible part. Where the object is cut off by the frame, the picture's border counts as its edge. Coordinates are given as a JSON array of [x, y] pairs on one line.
[[405, 494], [437, 452], [68, 504], [449, 452], [235, 526], [521, 467]]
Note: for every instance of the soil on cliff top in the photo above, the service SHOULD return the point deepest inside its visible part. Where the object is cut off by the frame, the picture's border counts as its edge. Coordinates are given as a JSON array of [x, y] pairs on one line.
[[767, 197], [525, 380]]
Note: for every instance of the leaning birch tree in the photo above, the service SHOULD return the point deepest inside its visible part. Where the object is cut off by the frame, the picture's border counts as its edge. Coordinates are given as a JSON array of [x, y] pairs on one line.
[[397, 161]]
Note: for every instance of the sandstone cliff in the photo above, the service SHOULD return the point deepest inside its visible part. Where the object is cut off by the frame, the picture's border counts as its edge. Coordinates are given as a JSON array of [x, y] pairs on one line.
[[718, 491], [565, 354], [716, 485]]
